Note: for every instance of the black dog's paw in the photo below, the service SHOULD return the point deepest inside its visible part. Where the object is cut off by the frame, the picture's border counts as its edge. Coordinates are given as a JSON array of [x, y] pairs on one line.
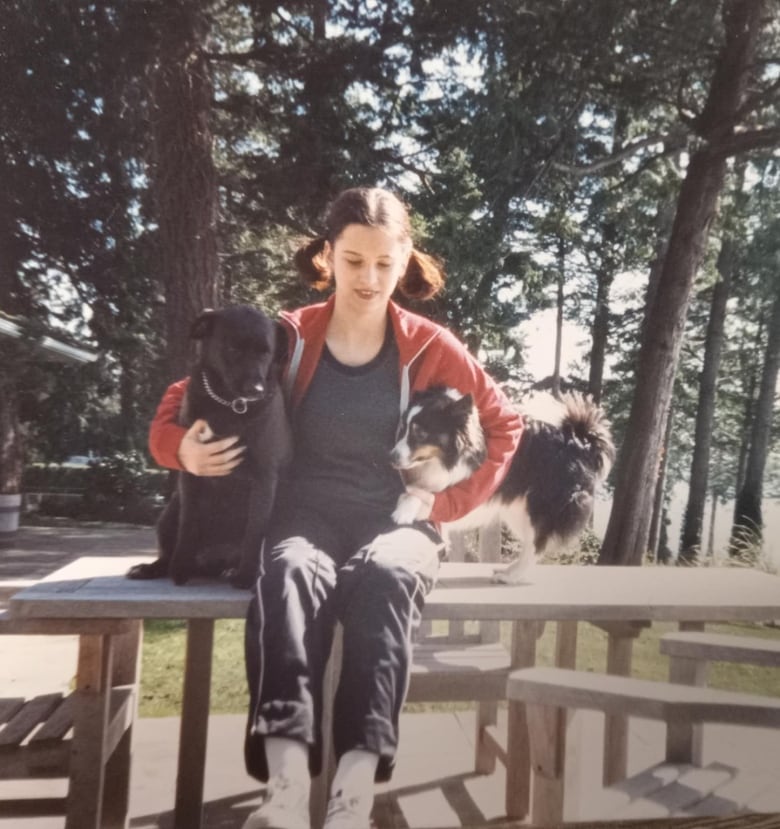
[[152, 570], [180, 576]]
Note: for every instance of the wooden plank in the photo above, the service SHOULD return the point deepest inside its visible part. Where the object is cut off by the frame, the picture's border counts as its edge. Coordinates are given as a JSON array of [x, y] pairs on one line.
[[120, 717], [642, 698], [463, 591], [684, 740], [714, 647], [194, 724], [445, 659], [91, 699], [8, 587], [9, 706], [58, 724], [518, 766], [620, 645], [548, 747], [27, 719], [320, 785], [125, 672], [13, 626], [23, 807]]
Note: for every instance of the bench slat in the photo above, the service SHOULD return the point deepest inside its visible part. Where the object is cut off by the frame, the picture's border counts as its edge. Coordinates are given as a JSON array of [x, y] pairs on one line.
[[9, 707], [57, 724], [611, 694], [716, 647], [25, 720], [442, 673]]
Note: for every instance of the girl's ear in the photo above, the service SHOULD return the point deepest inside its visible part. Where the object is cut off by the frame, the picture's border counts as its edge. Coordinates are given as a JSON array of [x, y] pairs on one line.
[[327, 254]]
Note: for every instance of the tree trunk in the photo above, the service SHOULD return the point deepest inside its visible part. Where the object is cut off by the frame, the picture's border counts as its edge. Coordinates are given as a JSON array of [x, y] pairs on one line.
[[659, 512], [713, 513], [626, 538], [556, 378], [11, 448], [749, 382], [691, 534], [599, 330], [184, 176], [747, 514]]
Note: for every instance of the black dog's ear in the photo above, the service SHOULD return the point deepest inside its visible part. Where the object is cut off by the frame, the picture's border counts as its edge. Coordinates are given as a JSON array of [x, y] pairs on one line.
[[282, 344], [203, 324]]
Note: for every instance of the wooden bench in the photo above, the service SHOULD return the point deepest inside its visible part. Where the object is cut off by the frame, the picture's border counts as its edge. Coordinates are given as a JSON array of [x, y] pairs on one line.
[[547, 690], [36, 734], [702, 647], [690, 653]]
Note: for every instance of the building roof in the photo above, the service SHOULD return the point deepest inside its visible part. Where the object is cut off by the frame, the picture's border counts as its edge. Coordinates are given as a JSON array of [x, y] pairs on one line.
[[52, 348]]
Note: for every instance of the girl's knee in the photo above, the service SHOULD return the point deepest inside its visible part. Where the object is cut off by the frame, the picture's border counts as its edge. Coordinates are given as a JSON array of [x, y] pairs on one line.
[[292, 560]]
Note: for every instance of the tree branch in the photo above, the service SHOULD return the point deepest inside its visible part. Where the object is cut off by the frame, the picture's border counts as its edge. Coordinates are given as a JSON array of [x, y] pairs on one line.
[[673, 141], [742, 142]]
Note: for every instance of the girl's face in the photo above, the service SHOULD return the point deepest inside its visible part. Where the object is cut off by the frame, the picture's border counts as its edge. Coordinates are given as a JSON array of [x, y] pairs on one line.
[[367, 263]]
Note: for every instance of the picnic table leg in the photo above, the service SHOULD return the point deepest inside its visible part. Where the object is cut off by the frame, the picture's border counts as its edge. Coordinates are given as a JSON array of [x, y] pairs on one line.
[[188, 812], [684, 739], [518, 757], [566, 740], [91, 698], [126, 670], [620, 645], [320, 785]]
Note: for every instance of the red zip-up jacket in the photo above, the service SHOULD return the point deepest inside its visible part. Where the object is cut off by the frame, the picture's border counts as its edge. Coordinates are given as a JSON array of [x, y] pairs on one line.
[[429, 355]]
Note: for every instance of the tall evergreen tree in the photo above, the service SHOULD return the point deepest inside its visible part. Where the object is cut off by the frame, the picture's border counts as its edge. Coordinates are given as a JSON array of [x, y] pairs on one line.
[[626, 538]]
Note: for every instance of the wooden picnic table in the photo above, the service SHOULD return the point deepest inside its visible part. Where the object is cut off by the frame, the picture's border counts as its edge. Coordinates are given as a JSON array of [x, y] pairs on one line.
[[620, 599]]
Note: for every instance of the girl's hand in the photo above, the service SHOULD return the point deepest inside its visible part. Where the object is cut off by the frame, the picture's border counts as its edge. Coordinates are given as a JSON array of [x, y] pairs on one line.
[[218, 458]]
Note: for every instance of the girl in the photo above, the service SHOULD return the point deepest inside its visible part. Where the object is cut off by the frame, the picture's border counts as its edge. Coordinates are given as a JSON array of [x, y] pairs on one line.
[[332, 552]]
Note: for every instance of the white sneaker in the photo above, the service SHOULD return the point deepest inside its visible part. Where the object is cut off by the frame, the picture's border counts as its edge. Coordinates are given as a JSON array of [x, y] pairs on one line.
[[349, 811], [285, 806]]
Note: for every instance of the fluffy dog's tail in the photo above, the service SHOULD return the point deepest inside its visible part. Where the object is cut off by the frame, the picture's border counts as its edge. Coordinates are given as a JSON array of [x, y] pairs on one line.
[[584, 423]]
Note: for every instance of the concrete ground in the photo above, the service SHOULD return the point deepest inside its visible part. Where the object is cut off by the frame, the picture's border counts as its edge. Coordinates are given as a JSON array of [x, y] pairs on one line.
[[433, 786]]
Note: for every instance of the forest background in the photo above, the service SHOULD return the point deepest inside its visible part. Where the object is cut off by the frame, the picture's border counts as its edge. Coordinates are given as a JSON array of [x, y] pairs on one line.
[[616, 162]]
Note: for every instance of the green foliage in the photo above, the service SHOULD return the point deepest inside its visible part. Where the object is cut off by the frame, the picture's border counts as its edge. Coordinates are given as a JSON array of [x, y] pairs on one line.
[[114, 488], [495, 124]]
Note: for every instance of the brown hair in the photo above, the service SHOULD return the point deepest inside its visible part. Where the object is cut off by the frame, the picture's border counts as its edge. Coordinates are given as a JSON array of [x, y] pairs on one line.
[[371, 207]]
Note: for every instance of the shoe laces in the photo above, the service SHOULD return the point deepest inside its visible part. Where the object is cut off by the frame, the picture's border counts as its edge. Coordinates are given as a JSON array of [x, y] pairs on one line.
[[353, 811], [283, 790]]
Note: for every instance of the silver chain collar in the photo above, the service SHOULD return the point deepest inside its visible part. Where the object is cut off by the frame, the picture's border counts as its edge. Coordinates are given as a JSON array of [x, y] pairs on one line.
[[240, 405]]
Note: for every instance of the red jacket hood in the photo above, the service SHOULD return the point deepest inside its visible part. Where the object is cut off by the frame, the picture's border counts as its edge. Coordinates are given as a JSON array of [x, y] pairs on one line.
[[307, 327]]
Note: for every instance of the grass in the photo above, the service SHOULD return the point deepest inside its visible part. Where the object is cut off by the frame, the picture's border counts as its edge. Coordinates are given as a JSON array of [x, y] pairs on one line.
[[164, 647]]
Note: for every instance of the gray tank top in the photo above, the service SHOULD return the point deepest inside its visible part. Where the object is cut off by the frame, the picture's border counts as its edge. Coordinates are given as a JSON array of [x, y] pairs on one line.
[[344, 430]]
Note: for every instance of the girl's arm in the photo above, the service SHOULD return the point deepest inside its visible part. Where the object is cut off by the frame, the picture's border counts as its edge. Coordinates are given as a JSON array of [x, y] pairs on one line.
[[453, 366], [177, 447]]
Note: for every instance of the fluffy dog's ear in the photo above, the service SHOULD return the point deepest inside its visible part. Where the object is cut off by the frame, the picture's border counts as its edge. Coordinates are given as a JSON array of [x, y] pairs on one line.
[[462, 406], [203, 324], [281, 345]]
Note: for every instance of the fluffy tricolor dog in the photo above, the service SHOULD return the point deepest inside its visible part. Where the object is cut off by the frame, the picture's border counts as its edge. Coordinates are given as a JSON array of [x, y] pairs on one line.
[[546, 497]]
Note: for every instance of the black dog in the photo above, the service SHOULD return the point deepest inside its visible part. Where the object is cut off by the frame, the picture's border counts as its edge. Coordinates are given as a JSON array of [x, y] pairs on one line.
[[214, 526]]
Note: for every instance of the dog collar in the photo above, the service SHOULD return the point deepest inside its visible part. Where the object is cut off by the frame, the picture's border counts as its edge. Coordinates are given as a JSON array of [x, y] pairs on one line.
[[240, 405]]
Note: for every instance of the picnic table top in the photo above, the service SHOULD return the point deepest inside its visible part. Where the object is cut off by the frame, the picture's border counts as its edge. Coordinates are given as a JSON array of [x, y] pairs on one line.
[[95, 587]]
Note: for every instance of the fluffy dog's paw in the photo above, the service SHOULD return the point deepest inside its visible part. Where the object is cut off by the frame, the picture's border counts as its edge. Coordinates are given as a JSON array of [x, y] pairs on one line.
[[502, 576], [515, 573], [406, 509]]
